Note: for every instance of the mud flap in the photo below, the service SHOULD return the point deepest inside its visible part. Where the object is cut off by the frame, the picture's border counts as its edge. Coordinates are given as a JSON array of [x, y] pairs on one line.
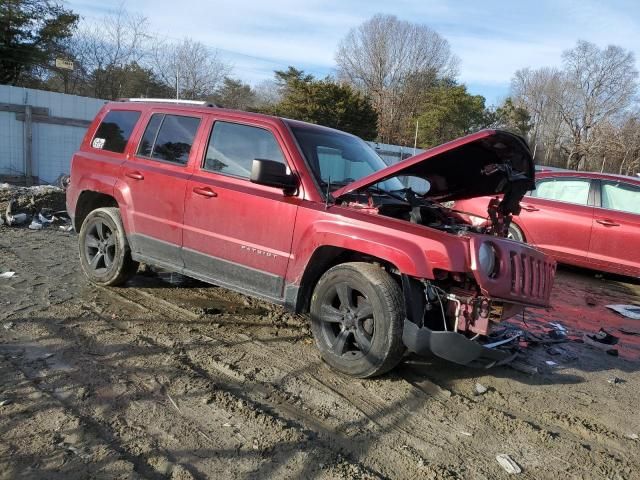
[[451, 346]]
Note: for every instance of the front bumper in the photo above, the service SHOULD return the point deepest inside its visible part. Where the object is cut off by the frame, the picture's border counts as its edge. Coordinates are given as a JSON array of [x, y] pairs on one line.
[[451, 346]]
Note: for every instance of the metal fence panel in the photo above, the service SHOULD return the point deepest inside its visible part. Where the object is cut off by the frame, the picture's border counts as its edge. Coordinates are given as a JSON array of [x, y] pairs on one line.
[[52, 145]]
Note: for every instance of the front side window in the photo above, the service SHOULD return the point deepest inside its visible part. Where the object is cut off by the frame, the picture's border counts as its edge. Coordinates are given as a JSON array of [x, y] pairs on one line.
[[570, 190], [169, 138], [620, 196], [233, 148], [114, 130], [338, 158]]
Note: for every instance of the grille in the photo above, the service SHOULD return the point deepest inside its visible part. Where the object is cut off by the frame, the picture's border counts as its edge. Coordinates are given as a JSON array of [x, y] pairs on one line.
[[531, 276]]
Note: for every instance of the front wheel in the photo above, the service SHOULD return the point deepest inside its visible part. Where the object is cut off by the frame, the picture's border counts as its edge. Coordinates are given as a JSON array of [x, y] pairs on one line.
[[357, 315], [515, 233], [105, 256]]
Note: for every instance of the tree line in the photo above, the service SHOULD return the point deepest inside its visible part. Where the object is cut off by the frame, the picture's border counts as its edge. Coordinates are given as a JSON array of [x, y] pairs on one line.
[[395, 82]]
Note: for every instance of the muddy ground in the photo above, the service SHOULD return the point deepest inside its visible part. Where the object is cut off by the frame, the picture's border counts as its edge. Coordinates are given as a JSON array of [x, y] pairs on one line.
[[162, 379]]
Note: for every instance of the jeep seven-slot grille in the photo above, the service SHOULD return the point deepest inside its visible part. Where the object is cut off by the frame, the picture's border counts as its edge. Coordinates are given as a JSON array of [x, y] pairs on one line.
[[530, 276]]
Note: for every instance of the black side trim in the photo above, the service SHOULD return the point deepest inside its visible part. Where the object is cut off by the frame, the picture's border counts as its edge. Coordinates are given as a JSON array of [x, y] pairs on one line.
[[219, 270], [158, 251]]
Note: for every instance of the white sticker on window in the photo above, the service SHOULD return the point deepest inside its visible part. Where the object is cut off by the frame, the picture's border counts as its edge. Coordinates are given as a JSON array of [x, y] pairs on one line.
[[98, 143]]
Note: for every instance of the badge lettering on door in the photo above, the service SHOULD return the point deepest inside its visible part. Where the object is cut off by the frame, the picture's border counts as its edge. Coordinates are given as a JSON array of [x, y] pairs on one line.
[[257, 251]]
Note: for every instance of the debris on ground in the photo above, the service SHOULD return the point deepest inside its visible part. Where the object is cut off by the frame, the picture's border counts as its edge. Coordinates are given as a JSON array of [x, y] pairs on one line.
[[508, 464], [629, 311], [480, 389], [37, 204], [7, 274], [8, 325], [615, 380]]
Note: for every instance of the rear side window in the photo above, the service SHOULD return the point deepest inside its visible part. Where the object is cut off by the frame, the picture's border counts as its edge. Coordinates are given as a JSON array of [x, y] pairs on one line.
[[621, 196], [115, 130], [571, 190], [169, 138], [233, 148]]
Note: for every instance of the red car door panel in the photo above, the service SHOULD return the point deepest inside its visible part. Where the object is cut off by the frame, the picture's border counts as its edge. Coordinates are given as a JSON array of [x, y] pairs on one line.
[[155, 183], [615, 241], [562, 230], [238, 233]]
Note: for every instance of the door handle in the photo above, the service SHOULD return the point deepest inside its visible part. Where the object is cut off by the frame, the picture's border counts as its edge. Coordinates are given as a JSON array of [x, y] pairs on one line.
[[608, 223], [135, 175], [205, 192], [529, 208]]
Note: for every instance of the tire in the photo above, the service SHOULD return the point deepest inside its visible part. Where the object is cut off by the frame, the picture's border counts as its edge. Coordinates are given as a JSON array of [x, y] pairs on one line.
[[357, 316], [515, 233], [105, 256]]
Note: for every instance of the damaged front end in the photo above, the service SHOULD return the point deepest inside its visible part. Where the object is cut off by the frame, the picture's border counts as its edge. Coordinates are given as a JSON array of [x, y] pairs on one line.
[[452, 316]]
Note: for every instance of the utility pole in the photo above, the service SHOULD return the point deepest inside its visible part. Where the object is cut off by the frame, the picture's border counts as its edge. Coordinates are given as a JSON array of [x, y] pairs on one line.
[[177, 83], [415, 139]]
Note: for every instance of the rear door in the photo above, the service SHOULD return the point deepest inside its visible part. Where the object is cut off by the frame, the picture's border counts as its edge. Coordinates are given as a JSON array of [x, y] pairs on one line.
[[615, 240], [238, 233], [557, 217], [156, 180]]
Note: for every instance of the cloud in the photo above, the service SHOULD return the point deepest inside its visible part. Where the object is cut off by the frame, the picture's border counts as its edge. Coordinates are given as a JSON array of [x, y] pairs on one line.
[[493, 38]]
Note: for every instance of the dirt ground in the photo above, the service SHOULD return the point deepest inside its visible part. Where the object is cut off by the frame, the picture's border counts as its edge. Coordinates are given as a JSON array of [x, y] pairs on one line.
[[171, 379]]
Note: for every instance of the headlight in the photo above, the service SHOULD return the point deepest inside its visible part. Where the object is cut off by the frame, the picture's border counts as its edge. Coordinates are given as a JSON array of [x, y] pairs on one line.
[[487, 259]]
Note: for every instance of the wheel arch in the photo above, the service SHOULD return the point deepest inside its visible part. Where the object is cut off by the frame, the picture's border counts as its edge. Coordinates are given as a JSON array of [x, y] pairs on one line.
[[88, 201], [326, 257]]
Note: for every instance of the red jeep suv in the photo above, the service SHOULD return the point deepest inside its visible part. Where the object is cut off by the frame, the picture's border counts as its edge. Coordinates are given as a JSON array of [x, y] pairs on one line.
[[311, 218]]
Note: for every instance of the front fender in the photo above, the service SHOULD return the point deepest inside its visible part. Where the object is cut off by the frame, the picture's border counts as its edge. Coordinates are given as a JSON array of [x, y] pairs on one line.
[[413, 249]]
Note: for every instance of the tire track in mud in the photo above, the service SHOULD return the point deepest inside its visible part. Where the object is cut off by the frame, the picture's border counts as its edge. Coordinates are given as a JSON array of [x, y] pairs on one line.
[[392, 414], [254, 403], [287, 403]]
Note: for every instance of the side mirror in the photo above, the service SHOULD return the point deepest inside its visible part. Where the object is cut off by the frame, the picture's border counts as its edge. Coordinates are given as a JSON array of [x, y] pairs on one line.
[[273, 174]]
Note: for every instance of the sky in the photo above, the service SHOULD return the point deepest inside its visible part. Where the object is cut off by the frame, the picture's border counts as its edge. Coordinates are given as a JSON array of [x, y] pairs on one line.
[[492, 38]]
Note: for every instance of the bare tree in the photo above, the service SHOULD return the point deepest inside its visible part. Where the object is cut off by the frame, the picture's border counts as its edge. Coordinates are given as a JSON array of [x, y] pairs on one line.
[[190, 67], [385, 56], [101, 50], [578, 112], [599, 85]]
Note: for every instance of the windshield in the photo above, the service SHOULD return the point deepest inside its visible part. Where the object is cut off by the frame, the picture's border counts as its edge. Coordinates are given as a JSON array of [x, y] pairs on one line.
[[339, 158]]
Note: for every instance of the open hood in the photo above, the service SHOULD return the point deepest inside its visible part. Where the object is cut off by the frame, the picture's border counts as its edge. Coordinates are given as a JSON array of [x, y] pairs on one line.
[[488, 162]]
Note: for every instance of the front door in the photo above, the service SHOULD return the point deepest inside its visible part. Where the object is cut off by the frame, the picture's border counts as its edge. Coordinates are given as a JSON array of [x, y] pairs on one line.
[[557, 218], [237, 233], [615, 239], [156, 178]]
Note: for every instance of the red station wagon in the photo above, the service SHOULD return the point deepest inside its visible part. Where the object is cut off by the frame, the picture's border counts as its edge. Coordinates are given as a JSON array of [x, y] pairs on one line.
[[311, 218], [586, 219]]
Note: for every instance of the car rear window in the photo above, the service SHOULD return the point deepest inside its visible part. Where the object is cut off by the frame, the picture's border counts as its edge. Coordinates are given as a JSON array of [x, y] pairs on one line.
[[115, 130], [169, 138]]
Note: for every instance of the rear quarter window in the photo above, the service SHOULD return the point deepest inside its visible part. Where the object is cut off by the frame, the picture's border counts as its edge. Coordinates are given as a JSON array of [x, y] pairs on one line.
[[115, 130], [169, 138]]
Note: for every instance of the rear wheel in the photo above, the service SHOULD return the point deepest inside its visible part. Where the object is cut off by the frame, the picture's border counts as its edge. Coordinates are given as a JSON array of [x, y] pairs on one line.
[[515, 233], [357, 314], [105, 256]]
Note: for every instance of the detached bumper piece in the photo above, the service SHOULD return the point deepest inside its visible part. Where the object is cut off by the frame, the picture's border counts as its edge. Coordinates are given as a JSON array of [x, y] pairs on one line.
[[453, 346]]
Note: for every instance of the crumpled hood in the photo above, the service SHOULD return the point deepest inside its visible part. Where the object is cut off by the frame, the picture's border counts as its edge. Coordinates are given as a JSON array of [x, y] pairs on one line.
[[488, 162]]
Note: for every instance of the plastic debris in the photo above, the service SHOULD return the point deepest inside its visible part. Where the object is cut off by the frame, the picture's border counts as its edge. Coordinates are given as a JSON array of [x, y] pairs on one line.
[[508, 464], [632, 436], [8, 325], [615, 380], [604, 337], [35, 225], [5, 402], [629, 311], [66, 228], [17, 219], [7, 274], [551, 363], [480, 389]]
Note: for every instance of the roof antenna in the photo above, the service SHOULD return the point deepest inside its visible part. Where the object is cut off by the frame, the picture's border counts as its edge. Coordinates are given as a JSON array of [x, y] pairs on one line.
[[326, 200]]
